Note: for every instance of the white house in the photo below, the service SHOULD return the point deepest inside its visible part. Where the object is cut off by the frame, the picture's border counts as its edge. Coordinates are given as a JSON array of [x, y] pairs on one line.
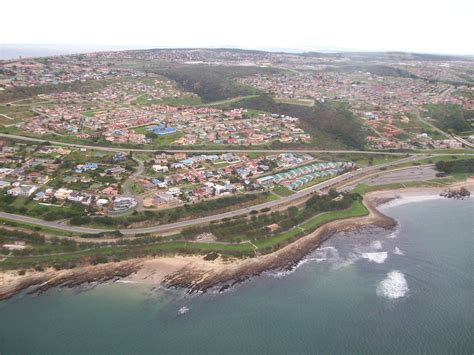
[[160, 168], [81, 197], [62, 194], [22, 190]]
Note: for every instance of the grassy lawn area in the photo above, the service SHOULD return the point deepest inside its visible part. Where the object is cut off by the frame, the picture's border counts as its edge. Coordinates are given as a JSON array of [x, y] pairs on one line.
[[363, 188], [270, 197], [221, 164], [88, 113], [357, 209], [136, 189], [283, 191]]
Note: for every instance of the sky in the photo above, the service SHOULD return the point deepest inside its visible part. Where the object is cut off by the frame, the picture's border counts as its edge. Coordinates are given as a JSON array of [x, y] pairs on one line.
[[403, 25]]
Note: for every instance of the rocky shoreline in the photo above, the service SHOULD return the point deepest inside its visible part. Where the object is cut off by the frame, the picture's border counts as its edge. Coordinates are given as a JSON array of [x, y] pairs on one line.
[[195, 279], [38, 282], [193, 274]]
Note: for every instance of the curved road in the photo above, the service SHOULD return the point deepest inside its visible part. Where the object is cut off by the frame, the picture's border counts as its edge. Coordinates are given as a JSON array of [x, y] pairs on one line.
[[126, 185], [188, 223]]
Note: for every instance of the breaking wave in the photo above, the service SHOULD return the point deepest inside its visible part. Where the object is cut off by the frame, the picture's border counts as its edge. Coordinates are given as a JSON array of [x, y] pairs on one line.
[[378, 257], [329, 255], [397, 251], [376, 244], [393, 235], [393, 286], [319, 255]]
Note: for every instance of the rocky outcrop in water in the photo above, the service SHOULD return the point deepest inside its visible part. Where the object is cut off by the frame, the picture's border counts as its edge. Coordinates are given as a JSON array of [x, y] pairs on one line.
[[460, 194]]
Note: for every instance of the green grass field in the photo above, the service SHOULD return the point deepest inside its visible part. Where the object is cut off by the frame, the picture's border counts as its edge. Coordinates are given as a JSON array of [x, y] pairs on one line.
[[283, 191]]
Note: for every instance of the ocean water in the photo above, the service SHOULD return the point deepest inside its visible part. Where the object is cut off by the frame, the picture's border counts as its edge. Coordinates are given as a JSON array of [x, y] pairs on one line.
[[376, 291]]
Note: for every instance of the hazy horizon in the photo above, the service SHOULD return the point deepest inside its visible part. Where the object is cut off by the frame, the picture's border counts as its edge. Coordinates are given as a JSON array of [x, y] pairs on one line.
[[436, 27], [11, 51]]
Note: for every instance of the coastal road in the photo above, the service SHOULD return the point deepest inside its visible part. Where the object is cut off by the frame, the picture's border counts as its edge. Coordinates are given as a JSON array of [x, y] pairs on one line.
[[299, 195], [116, 149]]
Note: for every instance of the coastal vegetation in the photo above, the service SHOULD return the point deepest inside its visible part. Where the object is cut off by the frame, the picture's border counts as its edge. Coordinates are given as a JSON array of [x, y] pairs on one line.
[[456, 166], [261, 227], [236, 237]]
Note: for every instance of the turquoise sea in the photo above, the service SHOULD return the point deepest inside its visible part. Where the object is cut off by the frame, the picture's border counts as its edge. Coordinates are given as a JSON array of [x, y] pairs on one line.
[[404, 291]]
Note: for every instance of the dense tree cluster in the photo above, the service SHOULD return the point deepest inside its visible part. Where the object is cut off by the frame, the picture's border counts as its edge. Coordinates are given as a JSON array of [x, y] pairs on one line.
[[456, 166], [325, 121], [212, 83]]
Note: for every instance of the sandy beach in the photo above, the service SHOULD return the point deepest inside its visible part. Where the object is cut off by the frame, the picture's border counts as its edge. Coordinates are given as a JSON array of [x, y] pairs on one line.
[[195, 274]]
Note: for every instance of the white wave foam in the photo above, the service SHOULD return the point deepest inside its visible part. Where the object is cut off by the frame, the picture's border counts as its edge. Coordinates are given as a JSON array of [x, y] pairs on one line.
[[393, 235], [326, 249], [405, 199], [376, 244], [340, 262], [397, 251], [394, 286], [318, 256], [378, 257]]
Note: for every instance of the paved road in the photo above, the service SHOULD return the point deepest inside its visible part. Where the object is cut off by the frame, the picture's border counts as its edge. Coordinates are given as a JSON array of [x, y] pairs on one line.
[[115, 149], [412, 174], [138, 172], [188, 223]]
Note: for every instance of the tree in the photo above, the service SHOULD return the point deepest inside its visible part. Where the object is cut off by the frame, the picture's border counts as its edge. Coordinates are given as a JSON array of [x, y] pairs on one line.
[[333, 193]]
